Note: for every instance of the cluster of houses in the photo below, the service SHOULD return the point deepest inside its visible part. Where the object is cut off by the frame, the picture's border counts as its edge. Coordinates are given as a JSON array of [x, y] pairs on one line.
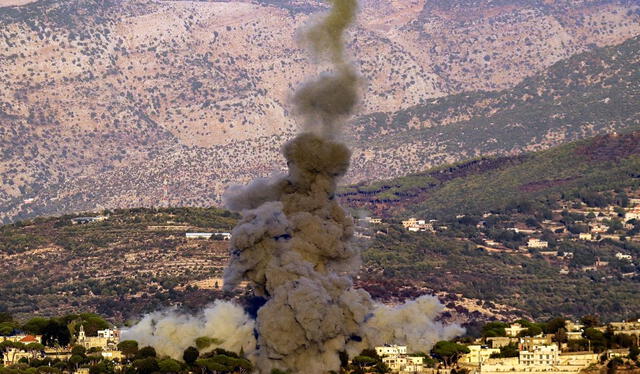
[[422, 225], [536, 354], [399, 361], [104, 343], [596, 226], [539, 353]]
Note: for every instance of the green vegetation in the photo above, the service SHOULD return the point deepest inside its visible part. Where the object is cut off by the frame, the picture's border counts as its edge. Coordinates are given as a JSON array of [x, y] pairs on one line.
[[577, 169], [121, 264], [448, 352], [531, 283], [588, 93]]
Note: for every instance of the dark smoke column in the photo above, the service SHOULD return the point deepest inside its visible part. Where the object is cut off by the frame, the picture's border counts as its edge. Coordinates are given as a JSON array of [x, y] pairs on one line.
[[292, 242]]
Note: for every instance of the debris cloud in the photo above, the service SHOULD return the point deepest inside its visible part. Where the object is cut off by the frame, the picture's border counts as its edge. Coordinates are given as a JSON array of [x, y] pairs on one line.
[[293, 246]]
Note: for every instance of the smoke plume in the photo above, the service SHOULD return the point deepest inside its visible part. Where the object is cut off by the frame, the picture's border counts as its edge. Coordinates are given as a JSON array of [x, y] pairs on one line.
[[293, 246], [170, 332]]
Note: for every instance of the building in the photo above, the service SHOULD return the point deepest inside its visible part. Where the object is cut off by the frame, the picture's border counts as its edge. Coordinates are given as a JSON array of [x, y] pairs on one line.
[[633, 213], [398, 361], [514, 329], [540, 355], [109, 334], [622, 256], [391, 350], [585, 236], [528, 342], [414, 224], [537, 243], [85, 220], [105, 340], [628, 328], [375, 221], [222, 235], [112, 355], [599, 228], [541, 359], [198, 235], [574, 335], [24, 339], [14, 355], [477, 354], [500, 341]]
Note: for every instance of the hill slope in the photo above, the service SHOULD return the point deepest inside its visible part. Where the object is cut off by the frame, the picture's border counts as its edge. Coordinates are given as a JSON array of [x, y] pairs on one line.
[[602, 163], [104, 101], [139, 260]]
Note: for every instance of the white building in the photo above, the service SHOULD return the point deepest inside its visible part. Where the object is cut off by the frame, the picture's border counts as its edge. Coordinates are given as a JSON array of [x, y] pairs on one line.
[[539, 355], [414, 224], [622, 256], [223, 235], [396, 358], [514, 330], [585, 236], [389, 350], [537, 243], [109, 334], [199, 235]]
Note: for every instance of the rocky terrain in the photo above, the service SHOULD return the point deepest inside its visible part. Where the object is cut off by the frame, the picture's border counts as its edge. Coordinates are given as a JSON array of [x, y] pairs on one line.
[[139, 261], [119, 103]]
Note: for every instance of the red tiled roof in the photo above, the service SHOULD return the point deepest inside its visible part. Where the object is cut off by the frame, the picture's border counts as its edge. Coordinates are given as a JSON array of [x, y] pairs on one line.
[[29, 339]]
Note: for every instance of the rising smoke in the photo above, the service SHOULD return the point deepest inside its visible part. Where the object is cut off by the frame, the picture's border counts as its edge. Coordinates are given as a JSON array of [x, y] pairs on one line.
[[293, 245]]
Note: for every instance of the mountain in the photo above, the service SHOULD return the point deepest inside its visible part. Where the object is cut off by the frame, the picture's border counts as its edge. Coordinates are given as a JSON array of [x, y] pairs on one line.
[[120, 103]]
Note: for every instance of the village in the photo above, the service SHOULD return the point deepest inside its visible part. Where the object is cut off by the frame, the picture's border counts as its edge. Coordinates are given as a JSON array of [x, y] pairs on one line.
[[550, 236], [558, 346]]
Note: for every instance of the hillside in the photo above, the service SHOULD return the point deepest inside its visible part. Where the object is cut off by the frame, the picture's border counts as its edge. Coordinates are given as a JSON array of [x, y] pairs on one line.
[[139, 260], [602, 163], [122, 103], [587, 94]]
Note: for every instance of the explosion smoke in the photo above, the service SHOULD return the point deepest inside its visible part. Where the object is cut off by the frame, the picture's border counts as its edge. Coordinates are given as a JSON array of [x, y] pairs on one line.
[[292, 245]]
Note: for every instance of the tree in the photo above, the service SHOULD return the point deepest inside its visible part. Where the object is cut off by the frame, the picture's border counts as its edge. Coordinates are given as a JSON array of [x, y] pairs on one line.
[[590, 320], [75, 360], [596, 338], [190, 355], [6, 317], [169, 365], [634, 351], [555, 324], [34, 347], [7, 328], [509, 350], [103, 367], [532, 330], [146, 365], [128, 348], [448, 352], [495, 328], [146, 352], [56, 333], [92, 323], [561, 336], [78, 350]]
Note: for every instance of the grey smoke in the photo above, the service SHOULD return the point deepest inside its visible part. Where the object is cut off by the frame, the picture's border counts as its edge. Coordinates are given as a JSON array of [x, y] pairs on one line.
[[293, 243]]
